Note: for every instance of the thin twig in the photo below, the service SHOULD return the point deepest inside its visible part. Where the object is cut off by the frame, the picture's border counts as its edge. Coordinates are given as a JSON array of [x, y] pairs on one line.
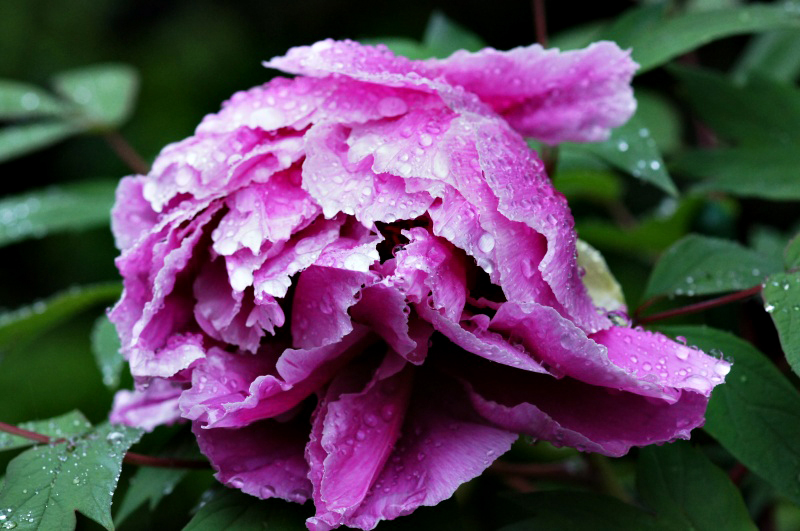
[[126, 152], [131, 458], [700, 306], [540, 22]]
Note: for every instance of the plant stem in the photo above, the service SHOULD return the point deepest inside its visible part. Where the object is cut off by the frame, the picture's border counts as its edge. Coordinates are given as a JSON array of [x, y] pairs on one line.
[[540, 22], [131, 458], [699, 306], [126, 152]]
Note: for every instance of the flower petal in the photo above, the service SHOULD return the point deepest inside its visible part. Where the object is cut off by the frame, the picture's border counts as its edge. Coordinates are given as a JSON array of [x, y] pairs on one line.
[[264, 459], [553, 96], [155, 405]]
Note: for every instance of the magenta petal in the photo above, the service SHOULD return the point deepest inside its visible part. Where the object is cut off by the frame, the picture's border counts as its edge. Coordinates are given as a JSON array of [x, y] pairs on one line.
[[148, 408], [440, 448], [132, 216], [654, 357], [385, 311], [359, 432], [573, 96], [321, 302], [570, 413], [264, 459]]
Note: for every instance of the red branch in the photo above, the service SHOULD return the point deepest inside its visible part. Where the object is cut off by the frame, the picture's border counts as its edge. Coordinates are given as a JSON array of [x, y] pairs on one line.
[[125, 151], [700, 306], [540, 22], [131, 458]]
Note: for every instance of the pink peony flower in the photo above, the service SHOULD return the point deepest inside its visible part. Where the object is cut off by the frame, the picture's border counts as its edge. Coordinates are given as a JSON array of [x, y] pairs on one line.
[[360, 286]]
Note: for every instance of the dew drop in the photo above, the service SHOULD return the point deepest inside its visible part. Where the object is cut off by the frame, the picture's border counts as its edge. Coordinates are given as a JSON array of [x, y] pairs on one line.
[[486, 242]]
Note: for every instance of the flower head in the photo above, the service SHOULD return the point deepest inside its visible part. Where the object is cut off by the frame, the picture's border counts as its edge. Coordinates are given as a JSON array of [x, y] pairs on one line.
[[360, 286]]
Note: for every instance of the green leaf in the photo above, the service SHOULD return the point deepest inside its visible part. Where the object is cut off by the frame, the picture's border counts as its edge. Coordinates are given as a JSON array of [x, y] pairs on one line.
[[443, 36], [67, 425], [654, 234], [45, 485], [149, 484], [401, 46], [105, 93], [755, 415], [734, 170], [767, 111], [657, 44], [701, 265], [631, 149], [791, 256], [782, 302], [775, 54], [592, 185], [232, 510], [29, 321], [73, 206], [675, 480], [18, 140], [20, 100], [105, 347], [572, 510]]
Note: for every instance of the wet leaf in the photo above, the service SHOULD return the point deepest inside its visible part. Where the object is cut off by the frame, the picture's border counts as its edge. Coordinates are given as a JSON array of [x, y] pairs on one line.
[[67, 425], [232, 510], [24, 323], [73, 206], [20, 100], [45, 485], [18, 140], [782, 302], [674, 481], [701, 265], [105, 93], [755, 415], [105, 347]]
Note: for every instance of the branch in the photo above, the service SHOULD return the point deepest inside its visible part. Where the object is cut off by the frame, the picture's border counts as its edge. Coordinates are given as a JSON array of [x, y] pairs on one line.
[[700, 306], [131, 458], [126, 152]]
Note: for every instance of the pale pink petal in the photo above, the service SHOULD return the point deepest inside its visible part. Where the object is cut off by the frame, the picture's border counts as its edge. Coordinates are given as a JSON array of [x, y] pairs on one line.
[[264, 212], [553, 96], [153, 406], [339, 185], [264, 459]]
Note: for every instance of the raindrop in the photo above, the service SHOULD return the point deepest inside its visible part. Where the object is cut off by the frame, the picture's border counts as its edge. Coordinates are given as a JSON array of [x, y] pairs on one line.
[[486, 242], [622, 146]]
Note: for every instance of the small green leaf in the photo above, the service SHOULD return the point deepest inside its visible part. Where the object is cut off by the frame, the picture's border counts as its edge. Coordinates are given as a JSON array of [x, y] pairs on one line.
[[18, 140], [675, 479], [67, 425], [654, 46], [401, 46], [755, 415], [766, 110], [782, 302], [701, 265], [443, 36], [733, 170], [105, 93], [73, 206], [29, 321], [148, 485], [45, 485], [791, 256], [233, 511], [571, 510], [105, 347], [20, 100], [632, 149]]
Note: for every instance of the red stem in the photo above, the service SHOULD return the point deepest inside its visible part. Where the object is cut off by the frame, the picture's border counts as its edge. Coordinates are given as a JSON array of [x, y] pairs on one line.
[[700, 306], [131, 458], [126, 152], [540, 22]]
